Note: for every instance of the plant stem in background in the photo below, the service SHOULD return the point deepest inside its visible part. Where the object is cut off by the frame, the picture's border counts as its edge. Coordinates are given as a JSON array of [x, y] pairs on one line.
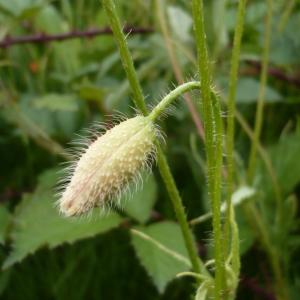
[[286, 14], [250, 209], [213, 188], [168, 179], [218, 15], [230, 116], [261, 95], [40, 38], [139, 101], [163, 23], [263, 154], [125, 55]]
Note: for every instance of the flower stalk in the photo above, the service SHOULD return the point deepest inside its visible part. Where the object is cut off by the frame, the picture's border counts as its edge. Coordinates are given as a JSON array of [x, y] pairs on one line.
[[139, 101], [172, 96]]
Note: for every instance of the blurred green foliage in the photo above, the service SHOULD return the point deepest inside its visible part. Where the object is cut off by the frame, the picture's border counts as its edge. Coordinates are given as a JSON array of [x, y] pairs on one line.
[[50, 92]]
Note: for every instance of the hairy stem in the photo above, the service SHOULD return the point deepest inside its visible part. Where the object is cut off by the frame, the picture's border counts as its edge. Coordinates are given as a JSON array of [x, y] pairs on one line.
[[139, 100], [125, 55], [230, 116], [172, 96], [168, 179], [214, 189]]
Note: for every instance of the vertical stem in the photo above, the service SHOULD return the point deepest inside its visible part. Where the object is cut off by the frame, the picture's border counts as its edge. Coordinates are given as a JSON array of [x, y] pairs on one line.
[[168, 179], [219, 9], [230, 115], [261, 96], [126, 58], [214, 189], [286, 14], [139, 101], [251, 210]]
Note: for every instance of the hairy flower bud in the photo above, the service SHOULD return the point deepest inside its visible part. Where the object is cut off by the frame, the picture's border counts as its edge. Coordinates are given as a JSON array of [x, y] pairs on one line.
[[108, 165]]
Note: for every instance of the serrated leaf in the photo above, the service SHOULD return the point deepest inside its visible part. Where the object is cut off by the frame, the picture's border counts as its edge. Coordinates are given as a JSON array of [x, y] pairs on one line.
[[161, 266], [140, 205], [37, 223], [56, 102]]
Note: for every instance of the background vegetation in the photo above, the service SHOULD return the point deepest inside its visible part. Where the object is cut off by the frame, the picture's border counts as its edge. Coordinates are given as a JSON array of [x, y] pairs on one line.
[[50, 92]]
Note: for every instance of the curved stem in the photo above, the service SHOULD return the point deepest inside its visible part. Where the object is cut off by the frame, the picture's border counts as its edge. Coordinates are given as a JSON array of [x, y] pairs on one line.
[[173, 95], [139, 101]]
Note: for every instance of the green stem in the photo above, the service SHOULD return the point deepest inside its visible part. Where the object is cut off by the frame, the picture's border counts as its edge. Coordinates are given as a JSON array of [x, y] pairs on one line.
[[216, 196], [219, 10], [173, 95], [126, 58], [127, 61], [230, 116], [168, 179], [214, 190], [250, 209], [261, 96], [286, 14]]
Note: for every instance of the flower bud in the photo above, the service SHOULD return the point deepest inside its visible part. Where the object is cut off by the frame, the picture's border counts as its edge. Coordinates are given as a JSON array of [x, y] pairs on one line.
[[108, 165]]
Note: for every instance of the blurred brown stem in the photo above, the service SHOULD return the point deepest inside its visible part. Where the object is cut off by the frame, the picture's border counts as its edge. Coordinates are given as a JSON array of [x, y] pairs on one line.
[[272, 71], [9, 41]]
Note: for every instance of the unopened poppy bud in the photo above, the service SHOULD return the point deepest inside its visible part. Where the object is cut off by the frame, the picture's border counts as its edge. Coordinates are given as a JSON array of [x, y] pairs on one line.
[[108, 165]]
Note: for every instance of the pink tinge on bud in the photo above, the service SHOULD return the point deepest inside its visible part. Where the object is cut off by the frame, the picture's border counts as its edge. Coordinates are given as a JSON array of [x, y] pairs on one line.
[[108, 165]]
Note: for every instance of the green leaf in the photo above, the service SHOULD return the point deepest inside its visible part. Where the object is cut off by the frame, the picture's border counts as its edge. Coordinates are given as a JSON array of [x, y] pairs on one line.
[[246, 234], [57, 102], [91, 92], [248, 88], [159, 264], [49, 20], [286, 46], [139, 207], [285, 159], [20, 8], [181, 22], [5, 218], [37, 223]]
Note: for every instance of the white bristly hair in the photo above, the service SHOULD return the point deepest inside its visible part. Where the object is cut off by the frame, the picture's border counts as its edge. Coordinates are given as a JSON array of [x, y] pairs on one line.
[[105, 167]]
